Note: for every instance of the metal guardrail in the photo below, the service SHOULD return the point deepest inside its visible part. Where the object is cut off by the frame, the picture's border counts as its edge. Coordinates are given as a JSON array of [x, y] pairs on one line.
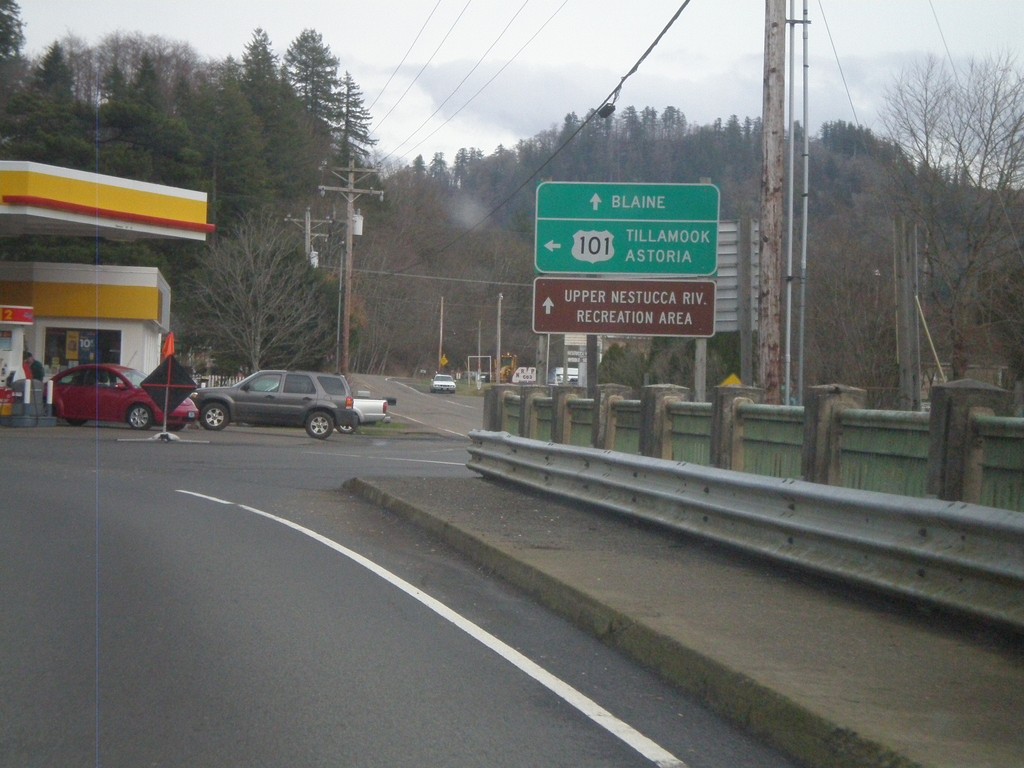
[[963, 557]]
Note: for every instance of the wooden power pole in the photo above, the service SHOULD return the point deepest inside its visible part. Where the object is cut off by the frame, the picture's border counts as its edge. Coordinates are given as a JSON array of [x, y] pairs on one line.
[[773, 143], [350, 193]]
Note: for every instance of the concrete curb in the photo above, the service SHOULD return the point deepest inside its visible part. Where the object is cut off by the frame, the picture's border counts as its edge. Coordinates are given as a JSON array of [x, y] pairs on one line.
[[779, 720]]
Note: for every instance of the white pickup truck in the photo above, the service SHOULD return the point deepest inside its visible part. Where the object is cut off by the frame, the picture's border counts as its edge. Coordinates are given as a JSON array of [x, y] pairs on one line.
[[369, 410]]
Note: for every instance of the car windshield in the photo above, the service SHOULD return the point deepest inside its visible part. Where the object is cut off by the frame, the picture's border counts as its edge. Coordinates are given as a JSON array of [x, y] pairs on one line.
[[443, 377]]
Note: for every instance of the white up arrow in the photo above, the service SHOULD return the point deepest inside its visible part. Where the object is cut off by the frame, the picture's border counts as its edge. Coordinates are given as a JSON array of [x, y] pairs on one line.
[[595, 201], [548, 305]]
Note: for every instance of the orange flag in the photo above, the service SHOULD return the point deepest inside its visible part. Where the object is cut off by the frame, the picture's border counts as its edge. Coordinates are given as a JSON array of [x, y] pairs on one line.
[[168, 346]]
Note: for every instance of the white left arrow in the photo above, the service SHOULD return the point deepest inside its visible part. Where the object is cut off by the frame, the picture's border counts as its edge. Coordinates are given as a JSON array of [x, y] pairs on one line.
[[551, 245], [548, 305]]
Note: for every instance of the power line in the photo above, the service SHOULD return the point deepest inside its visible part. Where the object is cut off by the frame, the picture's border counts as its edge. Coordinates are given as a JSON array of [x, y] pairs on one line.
[[385, 273], [945, 45], [609, 100], [461, 82], [425, 65], [842, 75], [406, 56], [489, 81]]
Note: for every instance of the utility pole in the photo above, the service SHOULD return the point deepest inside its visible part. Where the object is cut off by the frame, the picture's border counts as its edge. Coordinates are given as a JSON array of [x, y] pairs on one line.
[[908, 341], [773, 127], [309, 224], [351, 193]]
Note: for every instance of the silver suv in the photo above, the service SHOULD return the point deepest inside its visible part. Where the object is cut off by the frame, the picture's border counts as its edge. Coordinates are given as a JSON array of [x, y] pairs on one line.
[[320, 402]]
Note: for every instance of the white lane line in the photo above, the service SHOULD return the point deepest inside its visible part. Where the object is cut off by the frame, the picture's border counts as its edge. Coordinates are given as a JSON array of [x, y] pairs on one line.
[[214, 499], [587, 706]]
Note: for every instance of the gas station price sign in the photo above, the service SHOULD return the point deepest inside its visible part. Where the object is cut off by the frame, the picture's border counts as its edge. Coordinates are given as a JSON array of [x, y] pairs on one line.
[[14, 315]]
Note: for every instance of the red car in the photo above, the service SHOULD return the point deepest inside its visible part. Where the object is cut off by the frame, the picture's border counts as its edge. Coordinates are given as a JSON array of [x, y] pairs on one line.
[[112, 393]]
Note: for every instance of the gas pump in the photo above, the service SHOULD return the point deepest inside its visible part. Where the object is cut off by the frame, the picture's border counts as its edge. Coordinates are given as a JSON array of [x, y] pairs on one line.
[[23, 404]]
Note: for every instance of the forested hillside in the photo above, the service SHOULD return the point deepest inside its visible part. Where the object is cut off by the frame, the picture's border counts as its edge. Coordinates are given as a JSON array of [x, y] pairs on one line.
[[262, 133]]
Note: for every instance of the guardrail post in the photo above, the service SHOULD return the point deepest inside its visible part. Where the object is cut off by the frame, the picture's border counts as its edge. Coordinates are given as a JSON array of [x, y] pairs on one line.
[[527, 416], [561, 424], [950, 431], [494, 404], [723, 416], [822, 409], [654, 399]]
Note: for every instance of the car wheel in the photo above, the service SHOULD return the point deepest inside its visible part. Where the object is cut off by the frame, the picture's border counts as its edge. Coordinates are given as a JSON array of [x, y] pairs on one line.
[[319, 424], [214, 416], [75, 422], [140, 417], [346, 429]]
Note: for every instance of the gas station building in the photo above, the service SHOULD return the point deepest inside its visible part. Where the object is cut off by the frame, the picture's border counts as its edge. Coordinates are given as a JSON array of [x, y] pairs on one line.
[[67, 314]]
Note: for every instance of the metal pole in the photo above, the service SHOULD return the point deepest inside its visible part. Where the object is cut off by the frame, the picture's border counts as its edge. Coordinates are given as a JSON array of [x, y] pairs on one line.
[[787, 390], [803, 224], [497, 363], [547, 358], [700, 370], [440, 338], [309, 234], [341, 295]]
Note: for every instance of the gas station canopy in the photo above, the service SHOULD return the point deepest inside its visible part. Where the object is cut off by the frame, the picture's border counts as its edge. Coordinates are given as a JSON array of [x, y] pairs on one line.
[[38, 199]]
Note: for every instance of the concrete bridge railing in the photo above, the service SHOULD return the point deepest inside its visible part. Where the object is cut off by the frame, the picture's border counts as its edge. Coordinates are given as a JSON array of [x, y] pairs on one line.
[[968, 448]]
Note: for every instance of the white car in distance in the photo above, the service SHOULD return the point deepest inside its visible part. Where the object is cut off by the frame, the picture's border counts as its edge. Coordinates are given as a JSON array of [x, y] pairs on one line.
[[442, 382]]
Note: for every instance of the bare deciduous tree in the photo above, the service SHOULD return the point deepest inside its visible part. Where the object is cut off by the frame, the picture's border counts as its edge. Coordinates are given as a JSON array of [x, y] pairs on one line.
[[962, 137], [256, 298]]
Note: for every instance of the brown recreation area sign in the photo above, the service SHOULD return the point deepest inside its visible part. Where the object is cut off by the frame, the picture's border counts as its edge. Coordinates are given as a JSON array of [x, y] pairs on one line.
[[624, 307]]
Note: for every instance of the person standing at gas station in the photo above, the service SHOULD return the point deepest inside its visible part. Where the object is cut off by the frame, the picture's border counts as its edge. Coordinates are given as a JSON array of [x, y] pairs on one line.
[[33, 368]]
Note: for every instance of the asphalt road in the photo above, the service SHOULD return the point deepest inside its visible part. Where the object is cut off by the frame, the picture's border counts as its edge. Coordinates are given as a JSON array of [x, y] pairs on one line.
[[221, 601], [444, 414]]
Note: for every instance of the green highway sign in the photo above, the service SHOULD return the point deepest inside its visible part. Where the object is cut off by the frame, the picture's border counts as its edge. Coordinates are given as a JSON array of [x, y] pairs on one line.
[[669, 230]]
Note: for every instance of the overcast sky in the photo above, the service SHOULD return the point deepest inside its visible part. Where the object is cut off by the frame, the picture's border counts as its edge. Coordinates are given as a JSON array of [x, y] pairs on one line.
[[523, 66]]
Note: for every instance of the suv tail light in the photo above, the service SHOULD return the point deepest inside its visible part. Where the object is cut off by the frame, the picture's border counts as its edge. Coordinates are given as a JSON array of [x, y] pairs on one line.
[[349, 402]]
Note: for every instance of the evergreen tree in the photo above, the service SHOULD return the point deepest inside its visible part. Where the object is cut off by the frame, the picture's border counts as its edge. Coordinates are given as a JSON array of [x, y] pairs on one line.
[[290, 154], [232, 147], [260, 75], [42, 121], [12, 65], [139, 137], [53, 77], [354, 140], [12, 38], [312, 71]]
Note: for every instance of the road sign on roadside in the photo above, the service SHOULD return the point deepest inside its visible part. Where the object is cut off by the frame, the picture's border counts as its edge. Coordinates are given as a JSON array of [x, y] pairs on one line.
[[613, 306], [668, 230]]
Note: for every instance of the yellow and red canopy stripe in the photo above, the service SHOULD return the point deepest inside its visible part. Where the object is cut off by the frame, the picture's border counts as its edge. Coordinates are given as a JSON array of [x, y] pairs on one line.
[[126, 204]]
